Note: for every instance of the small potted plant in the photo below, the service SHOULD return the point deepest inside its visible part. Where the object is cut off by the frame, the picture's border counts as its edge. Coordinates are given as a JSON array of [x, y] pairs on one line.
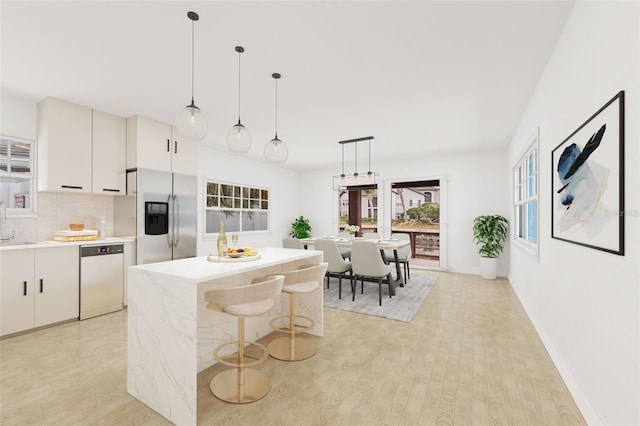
[[490, 232], [300, 228], [351, 230]]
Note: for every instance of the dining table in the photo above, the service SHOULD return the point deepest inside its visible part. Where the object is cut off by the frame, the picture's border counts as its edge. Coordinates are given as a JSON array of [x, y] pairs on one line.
[[381, 244]]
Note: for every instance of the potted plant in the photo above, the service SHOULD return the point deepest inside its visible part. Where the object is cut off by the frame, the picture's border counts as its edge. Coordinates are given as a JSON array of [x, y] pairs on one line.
[[300, 228], [490, 232]]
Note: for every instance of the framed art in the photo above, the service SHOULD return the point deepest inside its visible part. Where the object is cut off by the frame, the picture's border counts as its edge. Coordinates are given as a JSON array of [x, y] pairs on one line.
[[587, 199]]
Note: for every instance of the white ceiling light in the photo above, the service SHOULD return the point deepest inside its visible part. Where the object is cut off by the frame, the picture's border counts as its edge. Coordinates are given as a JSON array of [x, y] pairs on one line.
[[276, 151], [342, 180], [238, 137]]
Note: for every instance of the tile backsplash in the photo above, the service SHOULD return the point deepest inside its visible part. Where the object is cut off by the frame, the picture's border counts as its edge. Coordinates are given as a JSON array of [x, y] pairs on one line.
[[55, 211]]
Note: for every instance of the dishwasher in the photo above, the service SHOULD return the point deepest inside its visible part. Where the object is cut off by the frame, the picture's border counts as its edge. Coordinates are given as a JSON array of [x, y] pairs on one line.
[[101, 279]]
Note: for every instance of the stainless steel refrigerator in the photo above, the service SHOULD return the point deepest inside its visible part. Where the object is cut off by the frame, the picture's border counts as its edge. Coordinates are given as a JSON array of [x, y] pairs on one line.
[[165, 214]]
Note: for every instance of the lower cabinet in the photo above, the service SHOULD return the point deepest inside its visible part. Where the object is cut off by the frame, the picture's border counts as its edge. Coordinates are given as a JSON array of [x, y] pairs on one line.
[[38, 287]]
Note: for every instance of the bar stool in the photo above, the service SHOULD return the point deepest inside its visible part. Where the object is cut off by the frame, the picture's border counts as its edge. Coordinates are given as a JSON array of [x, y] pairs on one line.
[[292, 348], [241, 384]]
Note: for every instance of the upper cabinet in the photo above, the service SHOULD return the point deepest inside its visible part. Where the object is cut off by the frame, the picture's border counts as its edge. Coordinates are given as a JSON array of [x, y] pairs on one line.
[[109, 153], [80, 149], [64, 146], [155, 145]]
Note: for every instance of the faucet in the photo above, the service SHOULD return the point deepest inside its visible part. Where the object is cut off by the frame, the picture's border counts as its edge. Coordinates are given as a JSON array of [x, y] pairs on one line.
[[3, 219]]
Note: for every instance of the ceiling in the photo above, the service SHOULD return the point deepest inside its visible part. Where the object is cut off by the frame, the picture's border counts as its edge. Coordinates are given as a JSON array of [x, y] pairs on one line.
[[422, 77]]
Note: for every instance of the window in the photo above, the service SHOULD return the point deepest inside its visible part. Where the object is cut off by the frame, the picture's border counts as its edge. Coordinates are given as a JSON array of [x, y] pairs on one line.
[[17, 178], [525, 199], [242, 208]]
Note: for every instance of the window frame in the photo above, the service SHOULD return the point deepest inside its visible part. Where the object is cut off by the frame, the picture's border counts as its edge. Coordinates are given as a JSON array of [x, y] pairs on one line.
[[241, 189], [526, 190], [31, 176]]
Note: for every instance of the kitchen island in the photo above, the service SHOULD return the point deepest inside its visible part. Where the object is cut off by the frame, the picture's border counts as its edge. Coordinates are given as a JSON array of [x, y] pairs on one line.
[[171, 334]]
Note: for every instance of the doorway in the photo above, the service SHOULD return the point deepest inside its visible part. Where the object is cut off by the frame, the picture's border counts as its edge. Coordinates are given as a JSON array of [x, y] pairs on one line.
[[416, 210], [359, 206]]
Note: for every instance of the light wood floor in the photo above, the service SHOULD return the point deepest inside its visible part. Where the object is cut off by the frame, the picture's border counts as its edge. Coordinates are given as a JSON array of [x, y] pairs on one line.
[[470, 357]]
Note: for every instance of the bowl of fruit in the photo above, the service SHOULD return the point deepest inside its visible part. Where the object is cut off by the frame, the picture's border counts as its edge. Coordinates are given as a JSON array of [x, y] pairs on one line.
[[235, 253]]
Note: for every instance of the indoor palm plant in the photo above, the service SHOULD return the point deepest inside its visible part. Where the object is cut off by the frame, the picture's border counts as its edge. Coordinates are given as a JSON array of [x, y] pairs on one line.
[[300, 228], [490, 232]]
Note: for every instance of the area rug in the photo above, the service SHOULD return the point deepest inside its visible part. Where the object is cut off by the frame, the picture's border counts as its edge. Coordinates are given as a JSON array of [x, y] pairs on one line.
[[401, 307]]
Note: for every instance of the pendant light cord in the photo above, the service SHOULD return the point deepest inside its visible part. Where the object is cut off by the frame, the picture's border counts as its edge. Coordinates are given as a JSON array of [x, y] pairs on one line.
[[343, 160], [192, 56], [355, 173], [276, 108], [239, 53]]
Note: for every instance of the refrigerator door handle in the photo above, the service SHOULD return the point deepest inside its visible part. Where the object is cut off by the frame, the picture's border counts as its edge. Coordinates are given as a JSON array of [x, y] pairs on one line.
[[170, 233], [176, 222]]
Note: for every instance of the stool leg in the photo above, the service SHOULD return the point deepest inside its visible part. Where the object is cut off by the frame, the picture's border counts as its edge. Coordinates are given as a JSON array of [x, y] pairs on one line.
[[240, 385], [290, 348]]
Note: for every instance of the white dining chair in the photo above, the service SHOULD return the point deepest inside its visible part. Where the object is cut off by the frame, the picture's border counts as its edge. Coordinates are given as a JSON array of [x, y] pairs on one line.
[[337, 264], [404, 254], [371, 236], [367, 262], [292, 243], [345, 252]]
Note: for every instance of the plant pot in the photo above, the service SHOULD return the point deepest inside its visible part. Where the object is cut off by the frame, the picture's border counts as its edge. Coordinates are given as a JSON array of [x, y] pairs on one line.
[[489, 268]]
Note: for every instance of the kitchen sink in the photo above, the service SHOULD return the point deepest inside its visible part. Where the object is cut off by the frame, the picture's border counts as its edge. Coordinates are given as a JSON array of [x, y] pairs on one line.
[[15, 243]]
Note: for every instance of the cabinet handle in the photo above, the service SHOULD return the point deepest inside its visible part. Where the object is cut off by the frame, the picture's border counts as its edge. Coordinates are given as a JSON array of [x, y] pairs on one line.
[[110, 190], [175, 147], [71, 186], [41, 285], [168, 145], [24, 288]]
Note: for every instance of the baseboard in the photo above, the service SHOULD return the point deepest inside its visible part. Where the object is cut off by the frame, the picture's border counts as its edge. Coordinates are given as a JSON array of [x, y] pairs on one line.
[[582, 401]]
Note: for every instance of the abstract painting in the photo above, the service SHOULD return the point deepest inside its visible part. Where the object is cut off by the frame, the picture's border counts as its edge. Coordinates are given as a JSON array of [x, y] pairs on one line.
[[588, 182]]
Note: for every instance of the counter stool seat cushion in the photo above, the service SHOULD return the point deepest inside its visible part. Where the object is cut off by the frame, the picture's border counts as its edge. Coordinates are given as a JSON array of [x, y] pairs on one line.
[[251, 309], [300, 288]]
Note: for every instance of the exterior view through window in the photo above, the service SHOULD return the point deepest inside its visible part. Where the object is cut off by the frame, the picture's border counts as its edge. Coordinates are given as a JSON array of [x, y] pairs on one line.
[[359, 206], [415, 210]]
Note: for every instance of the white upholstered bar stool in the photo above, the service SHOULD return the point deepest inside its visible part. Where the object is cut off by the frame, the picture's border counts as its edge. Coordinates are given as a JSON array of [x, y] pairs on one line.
[[292, 348], [241, 384]]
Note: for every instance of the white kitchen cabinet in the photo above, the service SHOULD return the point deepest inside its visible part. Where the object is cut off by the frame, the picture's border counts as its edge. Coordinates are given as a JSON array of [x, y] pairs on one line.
[[38, 287], [64, 146], [16, 291], [109, 154], [56, 285], [155, 145]]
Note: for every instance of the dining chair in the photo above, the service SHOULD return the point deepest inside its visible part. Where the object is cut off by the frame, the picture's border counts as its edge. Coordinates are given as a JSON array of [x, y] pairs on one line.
[[336, 263], [371, 236], [292, 348], [404, 254], [240, 384], [292, 243], [345, 252], [366, 261]]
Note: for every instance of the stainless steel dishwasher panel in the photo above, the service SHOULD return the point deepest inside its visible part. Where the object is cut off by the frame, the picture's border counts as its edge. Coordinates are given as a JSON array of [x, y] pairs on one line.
[[101, 279]]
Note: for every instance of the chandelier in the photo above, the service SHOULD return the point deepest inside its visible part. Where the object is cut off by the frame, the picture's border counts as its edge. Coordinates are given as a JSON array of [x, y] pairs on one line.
[[343, 180]]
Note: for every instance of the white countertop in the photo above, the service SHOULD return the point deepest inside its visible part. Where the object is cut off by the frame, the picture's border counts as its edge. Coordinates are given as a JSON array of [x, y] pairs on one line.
[[48, 244], [199, 269]]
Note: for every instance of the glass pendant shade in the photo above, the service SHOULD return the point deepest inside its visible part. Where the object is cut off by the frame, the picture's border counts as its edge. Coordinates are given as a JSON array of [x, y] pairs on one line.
[[191, 123], [239, 139], [276, 151]]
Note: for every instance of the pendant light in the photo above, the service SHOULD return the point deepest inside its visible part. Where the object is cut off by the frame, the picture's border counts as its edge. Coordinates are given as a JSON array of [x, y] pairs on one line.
[[191, 122], [238, 137], [342, 180], [276, 151]]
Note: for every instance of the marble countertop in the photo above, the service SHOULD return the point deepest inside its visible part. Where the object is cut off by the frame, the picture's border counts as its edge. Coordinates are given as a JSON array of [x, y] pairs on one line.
[[199, 269], [47, 244]]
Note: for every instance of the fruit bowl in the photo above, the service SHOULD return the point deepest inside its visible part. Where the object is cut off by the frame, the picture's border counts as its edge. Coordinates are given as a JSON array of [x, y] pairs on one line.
[[235, 255]]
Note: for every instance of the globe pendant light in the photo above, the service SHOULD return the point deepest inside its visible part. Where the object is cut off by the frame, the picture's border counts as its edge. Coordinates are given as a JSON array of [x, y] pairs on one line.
[[238, 137], [276, 151], [191, 122]]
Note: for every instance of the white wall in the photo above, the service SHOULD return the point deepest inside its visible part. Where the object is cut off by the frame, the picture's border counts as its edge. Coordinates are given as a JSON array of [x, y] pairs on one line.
[[283, 185], [585, 303], [476, 186]]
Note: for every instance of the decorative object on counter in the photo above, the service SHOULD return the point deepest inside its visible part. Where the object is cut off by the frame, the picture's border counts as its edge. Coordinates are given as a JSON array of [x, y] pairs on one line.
[[352, 230], [76, 226], [342, 181], [292, 348], [300, 228], [490, 232], [191, 123], [241, 384], [70, 235], [238, 137], [222, 240], [276, 151]]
